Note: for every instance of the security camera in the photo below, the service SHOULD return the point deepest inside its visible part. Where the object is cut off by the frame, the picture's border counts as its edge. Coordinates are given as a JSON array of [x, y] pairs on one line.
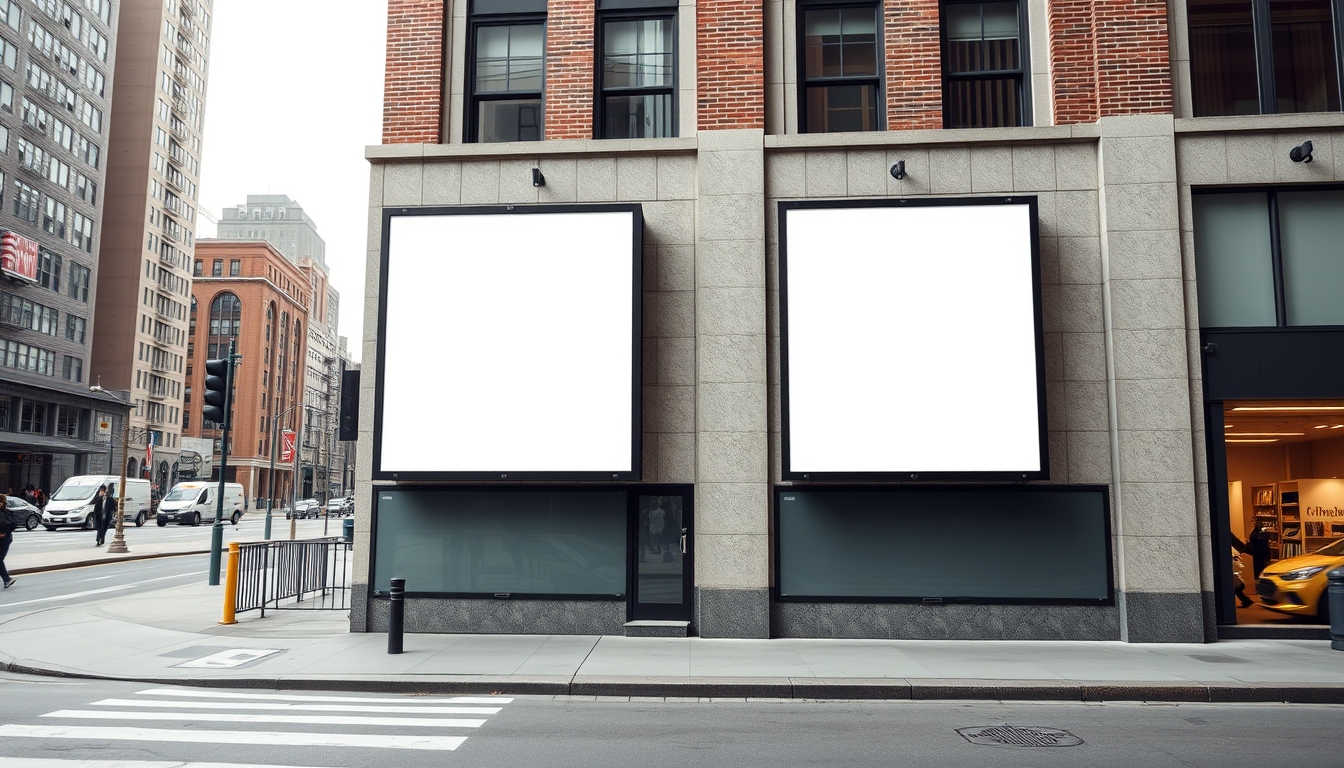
[[1301, 153], [898, 170]]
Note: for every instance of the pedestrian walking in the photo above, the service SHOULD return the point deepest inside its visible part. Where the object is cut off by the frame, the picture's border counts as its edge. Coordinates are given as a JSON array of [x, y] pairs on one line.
[[103, 508], [7, 527]]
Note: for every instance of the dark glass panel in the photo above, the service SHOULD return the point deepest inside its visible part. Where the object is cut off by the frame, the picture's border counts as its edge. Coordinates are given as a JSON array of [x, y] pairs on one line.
[[639, 117], [837, 108], [992, 103], [514, 120], [1304, 56], [1222, 58]]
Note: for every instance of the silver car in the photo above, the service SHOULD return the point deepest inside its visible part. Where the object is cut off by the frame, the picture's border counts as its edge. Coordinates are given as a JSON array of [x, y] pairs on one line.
[[28, 516]]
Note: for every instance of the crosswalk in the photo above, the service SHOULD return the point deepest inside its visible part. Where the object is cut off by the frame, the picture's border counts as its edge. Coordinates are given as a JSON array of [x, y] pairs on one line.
[[183, 715]]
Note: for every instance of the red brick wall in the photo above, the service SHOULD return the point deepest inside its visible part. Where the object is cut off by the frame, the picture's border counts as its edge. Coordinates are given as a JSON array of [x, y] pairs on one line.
[[914, 65], [413, 80], [730, 62], [1133, 57], [570, 27], [1109, 57]]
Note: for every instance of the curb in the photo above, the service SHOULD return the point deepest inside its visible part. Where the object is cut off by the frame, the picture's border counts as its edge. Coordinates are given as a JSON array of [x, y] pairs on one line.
[[101, 561], [887, 689]]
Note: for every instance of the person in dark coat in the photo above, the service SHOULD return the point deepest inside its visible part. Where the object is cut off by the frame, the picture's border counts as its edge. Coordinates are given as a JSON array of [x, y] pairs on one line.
[[1259, 546], [104, 506], [7, 527], [1239, 547]]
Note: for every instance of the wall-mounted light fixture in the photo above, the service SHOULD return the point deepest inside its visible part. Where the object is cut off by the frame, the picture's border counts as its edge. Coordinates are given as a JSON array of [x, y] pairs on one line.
[[1301, 153], [538, 180], [898, 170]]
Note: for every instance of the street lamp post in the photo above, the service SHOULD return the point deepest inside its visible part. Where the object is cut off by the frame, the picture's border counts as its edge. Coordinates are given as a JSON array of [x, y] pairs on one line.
[[270, 479], [118, 546]]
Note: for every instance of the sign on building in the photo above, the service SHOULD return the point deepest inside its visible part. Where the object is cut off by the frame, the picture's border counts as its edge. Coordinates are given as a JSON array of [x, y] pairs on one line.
[[18, 256]]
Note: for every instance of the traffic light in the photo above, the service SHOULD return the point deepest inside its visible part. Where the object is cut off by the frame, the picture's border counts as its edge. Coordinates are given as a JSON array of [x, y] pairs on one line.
[[216, 391]]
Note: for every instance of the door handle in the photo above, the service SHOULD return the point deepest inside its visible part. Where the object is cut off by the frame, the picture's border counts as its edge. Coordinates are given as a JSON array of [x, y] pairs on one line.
[[683, 541]]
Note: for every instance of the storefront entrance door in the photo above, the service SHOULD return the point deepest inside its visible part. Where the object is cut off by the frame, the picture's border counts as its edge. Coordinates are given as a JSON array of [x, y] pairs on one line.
[[662, 555]]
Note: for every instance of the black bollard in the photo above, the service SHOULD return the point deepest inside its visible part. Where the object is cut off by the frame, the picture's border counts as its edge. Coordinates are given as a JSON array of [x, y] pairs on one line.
[[1334, 598], [396, 615]]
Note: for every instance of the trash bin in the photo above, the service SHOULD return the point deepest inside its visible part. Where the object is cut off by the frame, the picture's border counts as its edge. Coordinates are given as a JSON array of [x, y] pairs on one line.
[[348, 529], [1335, 600]]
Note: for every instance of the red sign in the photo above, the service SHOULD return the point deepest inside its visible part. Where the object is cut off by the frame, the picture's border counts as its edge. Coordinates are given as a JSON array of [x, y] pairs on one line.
[[18, 256], [286, 446]]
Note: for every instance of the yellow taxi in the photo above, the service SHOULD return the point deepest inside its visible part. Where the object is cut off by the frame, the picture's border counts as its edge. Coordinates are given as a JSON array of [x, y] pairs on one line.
[[1297, 586]]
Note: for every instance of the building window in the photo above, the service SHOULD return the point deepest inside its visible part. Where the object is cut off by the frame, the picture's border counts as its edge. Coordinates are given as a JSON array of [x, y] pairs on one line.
[[33, 417], [1269, 258], [26, 203], [841, 79], [78, 287], [235, 267], [1250, 57], [49, 270], [72, 368], [74, 328], [984, 65], [505, 99], [197, 270], [637, 78], [217, 268]]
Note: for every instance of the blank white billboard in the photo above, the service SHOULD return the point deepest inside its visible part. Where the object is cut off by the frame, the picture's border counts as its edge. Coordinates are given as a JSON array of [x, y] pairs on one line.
[[508, 343], [911, 339]]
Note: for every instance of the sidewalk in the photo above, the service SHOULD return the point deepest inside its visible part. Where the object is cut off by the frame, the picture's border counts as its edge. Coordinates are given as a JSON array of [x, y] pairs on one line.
[[148, 636]]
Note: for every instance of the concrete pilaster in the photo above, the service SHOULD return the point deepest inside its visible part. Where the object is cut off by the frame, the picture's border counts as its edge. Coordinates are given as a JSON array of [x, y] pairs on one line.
[[1148, 392], [731, 492]]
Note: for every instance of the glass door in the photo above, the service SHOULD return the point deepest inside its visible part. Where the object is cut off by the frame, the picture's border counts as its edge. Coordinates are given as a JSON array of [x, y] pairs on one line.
[[662, 556]]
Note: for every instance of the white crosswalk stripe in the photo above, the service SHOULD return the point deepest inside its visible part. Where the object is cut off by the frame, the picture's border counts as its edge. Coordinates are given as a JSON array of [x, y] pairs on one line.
[[176, 712]]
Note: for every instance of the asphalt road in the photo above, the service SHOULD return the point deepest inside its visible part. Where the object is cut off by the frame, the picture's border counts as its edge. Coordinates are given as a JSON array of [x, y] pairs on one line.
[[35, 591], [71, 722]]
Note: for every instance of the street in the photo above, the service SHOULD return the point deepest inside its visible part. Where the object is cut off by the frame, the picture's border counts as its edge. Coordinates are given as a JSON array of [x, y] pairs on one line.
[[71, 723], [43, 548]]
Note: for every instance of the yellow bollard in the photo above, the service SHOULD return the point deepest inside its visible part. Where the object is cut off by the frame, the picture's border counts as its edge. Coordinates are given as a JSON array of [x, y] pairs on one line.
[[231, 585]]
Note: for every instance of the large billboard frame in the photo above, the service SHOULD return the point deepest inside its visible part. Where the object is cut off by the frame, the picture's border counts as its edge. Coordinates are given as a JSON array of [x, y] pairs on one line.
[[912, 475], [505, 474]]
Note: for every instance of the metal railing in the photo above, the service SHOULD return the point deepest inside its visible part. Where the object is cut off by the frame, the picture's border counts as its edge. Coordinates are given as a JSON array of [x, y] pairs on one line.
[[307, 574]]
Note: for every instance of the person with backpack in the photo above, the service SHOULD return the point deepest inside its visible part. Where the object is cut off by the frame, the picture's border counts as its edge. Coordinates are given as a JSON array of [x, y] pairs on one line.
[[7, 527]]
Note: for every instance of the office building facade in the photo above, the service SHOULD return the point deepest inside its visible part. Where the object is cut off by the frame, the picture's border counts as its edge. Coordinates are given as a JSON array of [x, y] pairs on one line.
[[805, 183]]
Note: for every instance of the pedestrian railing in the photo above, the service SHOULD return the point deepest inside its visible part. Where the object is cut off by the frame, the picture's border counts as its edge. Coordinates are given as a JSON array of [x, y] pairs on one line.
[[310, 574]]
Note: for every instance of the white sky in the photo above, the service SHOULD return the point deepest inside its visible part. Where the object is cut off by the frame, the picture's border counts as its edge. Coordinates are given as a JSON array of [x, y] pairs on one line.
[[294, 95]]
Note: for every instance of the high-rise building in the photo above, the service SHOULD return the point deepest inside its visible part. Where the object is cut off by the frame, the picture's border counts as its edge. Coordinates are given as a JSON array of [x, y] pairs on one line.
[[56, 76], [282, 222], [144, 279], [257, 298]]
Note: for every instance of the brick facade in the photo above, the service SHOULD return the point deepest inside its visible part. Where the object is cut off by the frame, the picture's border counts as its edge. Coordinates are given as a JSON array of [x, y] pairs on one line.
[[1109, 57], [730, 64], [413, 79], [914, 71], [570, 28]]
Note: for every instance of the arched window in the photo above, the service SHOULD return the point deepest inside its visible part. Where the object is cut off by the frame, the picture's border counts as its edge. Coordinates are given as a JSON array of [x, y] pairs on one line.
[[131, 466], [226, 315]]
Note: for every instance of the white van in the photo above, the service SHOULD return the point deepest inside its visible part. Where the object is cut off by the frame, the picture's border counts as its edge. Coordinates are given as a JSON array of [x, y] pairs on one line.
[[72, 504], [195, 501]]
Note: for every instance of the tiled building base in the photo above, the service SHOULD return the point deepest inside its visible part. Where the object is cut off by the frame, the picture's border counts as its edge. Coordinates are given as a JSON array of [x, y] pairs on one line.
[[907, 621], [511, 617]]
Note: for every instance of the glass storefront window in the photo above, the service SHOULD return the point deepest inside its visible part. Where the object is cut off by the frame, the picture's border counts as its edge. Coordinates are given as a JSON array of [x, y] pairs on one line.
[[1311, 229]]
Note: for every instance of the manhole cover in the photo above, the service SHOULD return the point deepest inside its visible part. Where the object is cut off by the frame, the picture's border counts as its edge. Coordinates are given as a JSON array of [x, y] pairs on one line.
[[1019, 736]]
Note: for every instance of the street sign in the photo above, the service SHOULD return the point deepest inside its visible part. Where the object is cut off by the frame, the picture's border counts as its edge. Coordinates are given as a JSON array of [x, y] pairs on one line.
[[286, 446]]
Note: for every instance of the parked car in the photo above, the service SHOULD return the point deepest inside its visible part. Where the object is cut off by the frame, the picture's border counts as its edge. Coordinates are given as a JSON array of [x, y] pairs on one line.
[[1297, 586], [305, 508], [26, 514], [340, 506], [189, 503]]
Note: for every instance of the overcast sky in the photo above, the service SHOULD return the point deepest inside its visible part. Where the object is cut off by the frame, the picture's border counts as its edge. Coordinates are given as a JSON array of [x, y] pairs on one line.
[[294, 95]]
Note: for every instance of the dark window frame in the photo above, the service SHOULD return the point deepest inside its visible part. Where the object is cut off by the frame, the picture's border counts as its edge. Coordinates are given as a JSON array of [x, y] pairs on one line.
[[473, 100], [601, 91], [1262, 30], [1275, 247], [878, 80], [1023, 71]]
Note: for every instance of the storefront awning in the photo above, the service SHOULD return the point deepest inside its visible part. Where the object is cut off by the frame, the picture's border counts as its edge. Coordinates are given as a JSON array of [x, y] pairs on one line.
[[25, 443]]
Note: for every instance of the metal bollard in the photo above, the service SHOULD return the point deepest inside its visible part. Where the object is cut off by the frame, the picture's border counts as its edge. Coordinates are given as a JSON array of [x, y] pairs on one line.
[[396, 615], [1335, 600], [231, 586]]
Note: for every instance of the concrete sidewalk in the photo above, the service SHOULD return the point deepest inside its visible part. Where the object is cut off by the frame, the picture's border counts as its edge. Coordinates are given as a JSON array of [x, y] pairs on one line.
[[149, 636]]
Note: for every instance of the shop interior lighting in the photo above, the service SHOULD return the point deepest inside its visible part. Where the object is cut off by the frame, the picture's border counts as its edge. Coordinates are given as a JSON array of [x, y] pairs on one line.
[[1338, 426], [1265, 434], [1289, 408], [1269, 440], [1321, 426]]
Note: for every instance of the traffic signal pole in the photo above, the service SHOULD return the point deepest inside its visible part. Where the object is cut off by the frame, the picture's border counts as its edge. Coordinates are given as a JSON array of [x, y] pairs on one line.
[[218, 406]]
